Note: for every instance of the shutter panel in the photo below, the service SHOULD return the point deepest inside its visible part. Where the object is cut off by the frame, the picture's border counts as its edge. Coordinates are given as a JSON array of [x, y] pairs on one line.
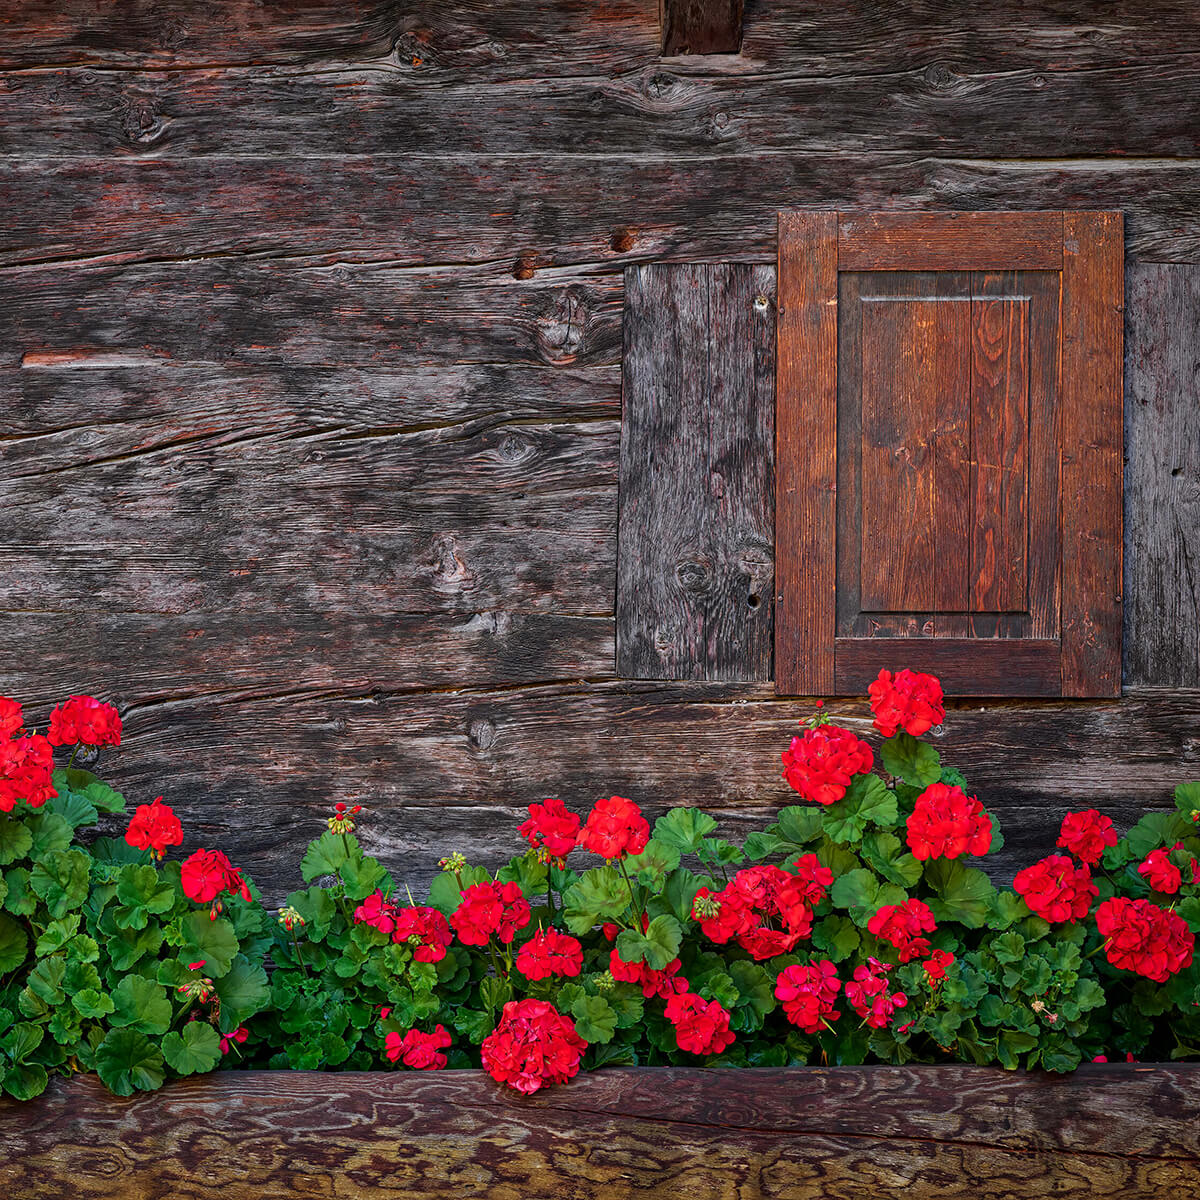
[[949, 445]]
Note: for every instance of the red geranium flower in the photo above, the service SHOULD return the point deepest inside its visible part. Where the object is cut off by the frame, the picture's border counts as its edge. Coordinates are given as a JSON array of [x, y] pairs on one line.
[[947, 823], [424, 929], [84, 720], [418, 1050], [1160, 872], [534, 1044], [552, 828], [239, 1035], [662, 983], [809, 994], [901, 925], [701, 1026], [377, 912], [11, 718], [821, 762], [814, 878], [487, 908], [26, 766], [548, 953], [935, 966], [1086, 834], [154, 827], [869, 997], [207, 874], [763, 907], [910, 701], [615, 827], [1056, 889], [1143, 938]]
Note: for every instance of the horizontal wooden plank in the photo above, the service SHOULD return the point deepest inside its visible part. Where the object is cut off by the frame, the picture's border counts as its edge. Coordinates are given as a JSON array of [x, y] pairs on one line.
[[921, 1132], [258, 312], [447, 769], [534, 234], [966, 666], [959, 241]]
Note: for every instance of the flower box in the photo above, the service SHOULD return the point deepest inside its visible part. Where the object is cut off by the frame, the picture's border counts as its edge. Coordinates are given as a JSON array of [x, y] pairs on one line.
[[805, 1134]]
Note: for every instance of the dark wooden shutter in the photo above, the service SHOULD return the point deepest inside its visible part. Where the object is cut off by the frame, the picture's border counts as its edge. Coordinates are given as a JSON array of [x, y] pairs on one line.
[[949, 451]]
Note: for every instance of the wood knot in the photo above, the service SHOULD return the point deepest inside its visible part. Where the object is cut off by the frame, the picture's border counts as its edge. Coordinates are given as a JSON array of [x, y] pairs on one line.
[[449, 572], [481, 733], [659, 84], [525, 267], [623, 239], [941, 78], [562, 332], [694, 575]]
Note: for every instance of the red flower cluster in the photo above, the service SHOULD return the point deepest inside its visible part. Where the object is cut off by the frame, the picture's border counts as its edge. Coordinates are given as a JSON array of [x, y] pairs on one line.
[[208, 874], [935, 966], [1143, 938], [154, 827], [26, 765], [490, 908], [11, 717], [1056, 889], [421, 1051], [551, 828], [947, 823], [910, 701], [662, 983], [1160, 872], [868, 994], [85, 721], [757, 895], [1086, 834], [548, 953], [814, 878], [701, 1026], [534, 1044], [238, 1036], [378, 912], [809, 994], [821, 762], [615, 827], [423, 929], [901, 926]]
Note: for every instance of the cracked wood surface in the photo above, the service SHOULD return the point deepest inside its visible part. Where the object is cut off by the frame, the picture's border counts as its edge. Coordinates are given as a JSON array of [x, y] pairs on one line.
[[925, 1133]]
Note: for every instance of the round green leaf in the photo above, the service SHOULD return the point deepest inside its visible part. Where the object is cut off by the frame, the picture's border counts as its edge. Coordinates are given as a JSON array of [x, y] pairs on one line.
[[126, 1060], [196, 1049], [142, 1005], [13, 944]]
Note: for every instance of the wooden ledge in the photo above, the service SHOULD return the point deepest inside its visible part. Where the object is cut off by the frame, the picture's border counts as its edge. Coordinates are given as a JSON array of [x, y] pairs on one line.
[[920, 1132]]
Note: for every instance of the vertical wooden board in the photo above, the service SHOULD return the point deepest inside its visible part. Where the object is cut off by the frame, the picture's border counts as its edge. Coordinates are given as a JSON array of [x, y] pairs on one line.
[[694, 575], [1162, 483], [701, 26], [1092, 446], [999, 448], [806, 453], [915, 416]]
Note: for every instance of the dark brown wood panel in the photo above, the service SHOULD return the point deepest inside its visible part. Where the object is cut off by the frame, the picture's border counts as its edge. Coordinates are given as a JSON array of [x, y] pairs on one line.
[[922, 1132], [960, 241], [701, 26], [999, 439], [1162, 476], [1093, 304], [806, 453], [696, 537]]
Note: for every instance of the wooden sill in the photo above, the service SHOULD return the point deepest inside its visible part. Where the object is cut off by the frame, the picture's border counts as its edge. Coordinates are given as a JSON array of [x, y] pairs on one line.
[[803, 1134]]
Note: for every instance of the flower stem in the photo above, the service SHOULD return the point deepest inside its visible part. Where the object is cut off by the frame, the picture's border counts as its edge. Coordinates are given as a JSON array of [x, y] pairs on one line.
[[637, 908]]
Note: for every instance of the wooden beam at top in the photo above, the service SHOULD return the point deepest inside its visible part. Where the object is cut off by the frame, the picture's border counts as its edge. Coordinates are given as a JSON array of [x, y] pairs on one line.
[[701, 26]]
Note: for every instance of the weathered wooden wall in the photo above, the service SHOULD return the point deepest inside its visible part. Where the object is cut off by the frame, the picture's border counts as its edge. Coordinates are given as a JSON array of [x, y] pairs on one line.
[[310, 340], [930, 1133]]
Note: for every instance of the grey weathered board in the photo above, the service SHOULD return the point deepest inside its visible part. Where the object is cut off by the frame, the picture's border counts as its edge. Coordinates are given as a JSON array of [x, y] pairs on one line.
[[1114, 1132], [695, 534], [310, 330]]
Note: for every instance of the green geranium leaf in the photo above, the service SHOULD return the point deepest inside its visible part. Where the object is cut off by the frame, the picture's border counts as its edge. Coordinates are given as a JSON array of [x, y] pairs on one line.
[[600, 894], [677, 896], [1007, 908], [327, 853], [658, 946], [18, 897], [194, 1050], [799, 824], [44, 985], [1154, 830], [243, 991], [21, 1040], [50, 832], [836, 938], [915, 762], [595, 1020], [866, 801], [884, 851], [92, 1003], [716, 852], [756, 992], [444, 893], [127, 1060], [856, 891], [57, 934], [473, 1024], [14, 945], [213, 941], [317, 908], [142, 887], [116, 852], [61, 880], [141, 1005], [758, 846], [25, 1081], [683, 829], [362, 876], [653, 863], [965, 894], [1187, 800], [73, 807], [15, 840], [526, 872]]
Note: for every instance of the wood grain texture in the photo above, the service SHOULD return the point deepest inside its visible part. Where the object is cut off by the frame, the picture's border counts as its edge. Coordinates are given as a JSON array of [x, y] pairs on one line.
[[696, 531], [924, 1133], [965, 666], [701, 26], [1092, 360], [1162, 476], [806, 452]]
